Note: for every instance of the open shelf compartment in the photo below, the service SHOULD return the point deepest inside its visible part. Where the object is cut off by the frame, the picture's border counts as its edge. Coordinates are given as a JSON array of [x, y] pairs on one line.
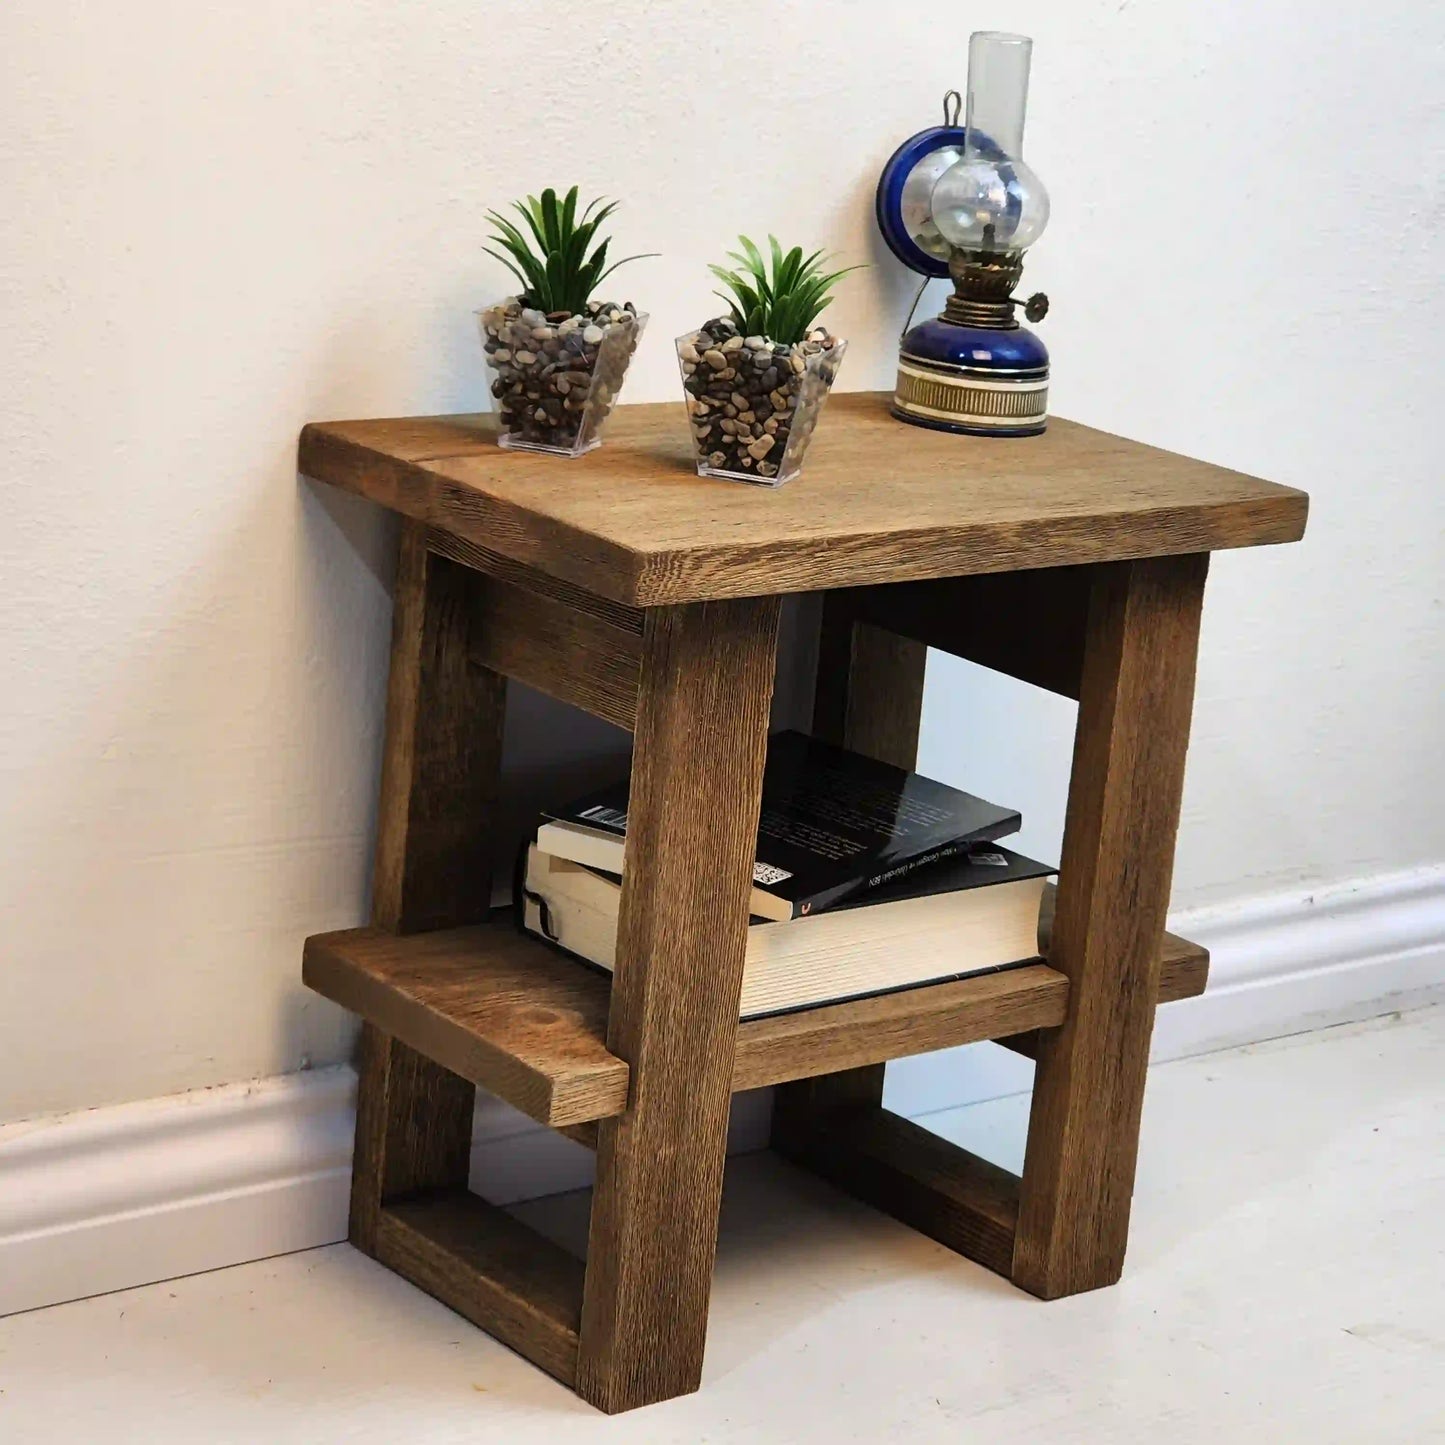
[[510, 1014]]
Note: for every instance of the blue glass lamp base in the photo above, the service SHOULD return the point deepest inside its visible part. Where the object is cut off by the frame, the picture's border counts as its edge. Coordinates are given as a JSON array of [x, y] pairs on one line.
[[973, 380]]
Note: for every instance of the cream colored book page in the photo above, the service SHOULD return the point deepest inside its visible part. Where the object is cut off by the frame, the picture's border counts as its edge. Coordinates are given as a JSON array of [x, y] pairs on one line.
[[861, 950]]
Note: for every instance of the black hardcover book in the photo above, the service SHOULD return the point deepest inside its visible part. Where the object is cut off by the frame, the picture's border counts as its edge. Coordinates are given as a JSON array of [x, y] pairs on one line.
[[833, 824]]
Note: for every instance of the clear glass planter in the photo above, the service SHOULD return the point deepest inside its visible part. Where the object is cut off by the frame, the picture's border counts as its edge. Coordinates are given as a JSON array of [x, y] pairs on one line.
[[555, 378], [753, 406]]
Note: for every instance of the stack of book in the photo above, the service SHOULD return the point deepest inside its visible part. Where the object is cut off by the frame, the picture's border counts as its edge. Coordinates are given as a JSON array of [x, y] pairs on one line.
[[867, 879]]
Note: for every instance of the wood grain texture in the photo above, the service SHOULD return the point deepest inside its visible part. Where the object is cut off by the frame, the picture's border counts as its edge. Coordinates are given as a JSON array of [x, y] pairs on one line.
[[877, 502], [857, 1036], [964, 1202], [442, 752], [863, 1032], [534, 580], [869, 698], [1029, 625], [1183, 973], [506, 1011], [573, 655], [490, 1004], [702, 718], [475, 1258], [1123, 811], [413, 1129]]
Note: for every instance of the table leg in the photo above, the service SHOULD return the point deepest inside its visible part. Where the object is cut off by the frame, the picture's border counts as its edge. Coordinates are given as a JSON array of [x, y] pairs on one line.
[[443, 751], [413, 1130], [1135, 700], [702, 716], [440, 768]]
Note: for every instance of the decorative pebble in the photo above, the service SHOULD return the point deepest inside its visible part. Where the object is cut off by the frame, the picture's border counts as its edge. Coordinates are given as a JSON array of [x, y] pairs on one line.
[[548, 369], [751, 400]]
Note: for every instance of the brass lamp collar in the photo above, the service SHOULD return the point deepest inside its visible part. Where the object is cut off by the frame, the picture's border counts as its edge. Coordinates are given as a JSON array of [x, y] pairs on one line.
[[983, 286]]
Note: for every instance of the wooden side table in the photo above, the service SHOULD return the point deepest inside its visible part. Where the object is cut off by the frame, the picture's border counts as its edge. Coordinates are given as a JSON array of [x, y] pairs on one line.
[[625, 585]]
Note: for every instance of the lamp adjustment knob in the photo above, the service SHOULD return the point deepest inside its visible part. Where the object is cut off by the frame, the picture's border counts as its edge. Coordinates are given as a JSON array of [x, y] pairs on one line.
[[1036, 307]]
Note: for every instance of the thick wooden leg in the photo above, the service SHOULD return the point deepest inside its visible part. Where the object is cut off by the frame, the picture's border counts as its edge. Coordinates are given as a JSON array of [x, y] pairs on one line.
[[443, 750], [439, 775], [411, 1210], [1136, 696], [413, 1130], [869, 699], [702, 715]]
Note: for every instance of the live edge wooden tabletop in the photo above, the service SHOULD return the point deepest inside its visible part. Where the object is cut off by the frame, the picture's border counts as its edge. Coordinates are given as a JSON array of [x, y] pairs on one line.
[[877, 501]]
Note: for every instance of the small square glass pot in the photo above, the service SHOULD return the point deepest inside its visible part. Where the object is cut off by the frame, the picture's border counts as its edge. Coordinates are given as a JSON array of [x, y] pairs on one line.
[[753, 406], [556, 378]]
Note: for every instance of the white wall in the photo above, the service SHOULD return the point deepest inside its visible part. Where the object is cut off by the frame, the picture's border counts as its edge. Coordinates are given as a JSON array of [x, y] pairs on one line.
[[218, 221]]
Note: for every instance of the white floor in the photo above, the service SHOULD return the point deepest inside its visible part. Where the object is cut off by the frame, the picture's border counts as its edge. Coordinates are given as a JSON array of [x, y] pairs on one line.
[[1286, 1282]]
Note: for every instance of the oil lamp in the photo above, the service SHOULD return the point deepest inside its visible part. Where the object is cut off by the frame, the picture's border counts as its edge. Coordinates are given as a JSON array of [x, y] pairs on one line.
[[964, 204]]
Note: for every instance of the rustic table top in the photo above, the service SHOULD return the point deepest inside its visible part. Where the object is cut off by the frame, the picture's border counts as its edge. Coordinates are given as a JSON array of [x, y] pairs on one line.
[[878, 501]]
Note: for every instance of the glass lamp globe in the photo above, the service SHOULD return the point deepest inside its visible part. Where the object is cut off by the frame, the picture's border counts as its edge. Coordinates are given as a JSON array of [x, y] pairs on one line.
[[986, 204]]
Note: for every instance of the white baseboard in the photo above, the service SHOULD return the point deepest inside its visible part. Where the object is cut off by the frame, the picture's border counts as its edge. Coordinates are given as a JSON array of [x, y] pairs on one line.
[[116, 1197], [112, 1198], [1280, 964], [1287, 963]]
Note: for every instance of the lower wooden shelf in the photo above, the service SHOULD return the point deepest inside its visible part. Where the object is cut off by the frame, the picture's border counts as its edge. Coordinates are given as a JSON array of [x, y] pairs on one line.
[[528, 1025]]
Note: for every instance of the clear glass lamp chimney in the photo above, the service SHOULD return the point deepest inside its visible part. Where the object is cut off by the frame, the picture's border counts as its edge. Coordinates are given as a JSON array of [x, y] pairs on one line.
[[990, 201]]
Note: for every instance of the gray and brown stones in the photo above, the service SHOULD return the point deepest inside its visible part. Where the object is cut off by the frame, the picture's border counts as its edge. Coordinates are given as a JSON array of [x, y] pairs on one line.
[[556, 376], [753, 404]]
